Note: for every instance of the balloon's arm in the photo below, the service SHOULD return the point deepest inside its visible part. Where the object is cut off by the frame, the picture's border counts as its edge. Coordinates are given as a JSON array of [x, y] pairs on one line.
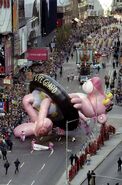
[[43, 124], [27, 103]]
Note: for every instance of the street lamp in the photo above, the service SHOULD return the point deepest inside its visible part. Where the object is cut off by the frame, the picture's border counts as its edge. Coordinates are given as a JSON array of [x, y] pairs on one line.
[[67, 174]]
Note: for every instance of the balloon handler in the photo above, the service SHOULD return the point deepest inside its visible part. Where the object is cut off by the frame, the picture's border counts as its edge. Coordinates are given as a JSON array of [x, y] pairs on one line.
[[48, 105]]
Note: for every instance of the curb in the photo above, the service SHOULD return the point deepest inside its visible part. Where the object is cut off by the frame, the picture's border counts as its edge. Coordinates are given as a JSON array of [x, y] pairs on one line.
[[104, 158]]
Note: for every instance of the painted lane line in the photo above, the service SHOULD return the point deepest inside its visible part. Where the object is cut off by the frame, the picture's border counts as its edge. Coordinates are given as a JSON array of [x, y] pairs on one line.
[[9, 182], [33, 182], [52, 151], [22, 165], [41, 168]]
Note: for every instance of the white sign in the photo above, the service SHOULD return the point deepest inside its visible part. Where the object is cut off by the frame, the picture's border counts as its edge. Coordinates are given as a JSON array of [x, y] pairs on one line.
[[5, 19], [40, 147]]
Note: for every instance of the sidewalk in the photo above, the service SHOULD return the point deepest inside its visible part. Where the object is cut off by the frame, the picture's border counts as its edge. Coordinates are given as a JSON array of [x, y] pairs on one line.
[[96, 160]]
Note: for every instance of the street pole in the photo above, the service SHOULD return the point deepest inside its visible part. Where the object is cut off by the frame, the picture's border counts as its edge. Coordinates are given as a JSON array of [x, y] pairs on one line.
[[67, 176], [67, 171]]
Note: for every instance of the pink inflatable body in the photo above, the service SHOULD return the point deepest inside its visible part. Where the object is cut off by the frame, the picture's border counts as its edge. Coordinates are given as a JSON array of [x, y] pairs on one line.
[[89, 105]]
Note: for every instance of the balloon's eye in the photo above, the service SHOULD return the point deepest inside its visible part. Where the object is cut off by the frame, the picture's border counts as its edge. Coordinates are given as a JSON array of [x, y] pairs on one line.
[[88, 87]]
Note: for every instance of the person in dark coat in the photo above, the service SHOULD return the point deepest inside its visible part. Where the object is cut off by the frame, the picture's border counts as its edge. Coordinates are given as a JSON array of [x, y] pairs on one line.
[[4, 153], [6, 166], [119, 164], [17, 163], [71, 159], [89, 177], [93, 177]]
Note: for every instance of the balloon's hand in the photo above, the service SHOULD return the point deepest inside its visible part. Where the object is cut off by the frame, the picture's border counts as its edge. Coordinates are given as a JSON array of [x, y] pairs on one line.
[[76, 100], [43, 128]]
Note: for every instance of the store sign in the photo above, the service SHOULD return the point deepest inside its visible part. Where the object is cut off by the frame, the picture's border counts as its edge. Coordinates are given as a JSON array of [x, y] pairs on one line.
[[2, 70], [2, 65], [4, 3], [37, 54], [1, 107]]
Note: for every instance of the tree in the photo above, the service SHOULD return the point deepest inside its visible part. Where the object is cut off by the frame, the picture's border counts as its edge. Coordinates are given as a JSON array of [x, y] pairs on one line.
[[62, 35]]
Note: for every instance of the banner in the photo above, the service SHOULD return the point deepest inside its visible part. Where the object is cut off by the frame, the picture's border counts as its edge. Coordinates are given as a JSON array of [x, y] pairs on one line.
[[15, 16], [2, 62], [8, 57], [5, 16], [40, 147], [49, 16], [23, 39], [33, 14], [37, 54]]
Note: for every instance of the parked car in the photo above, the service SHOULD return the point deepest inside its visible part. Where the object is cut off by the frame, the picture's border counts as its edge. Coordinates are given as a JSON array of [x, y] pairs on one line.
[[83, 79]]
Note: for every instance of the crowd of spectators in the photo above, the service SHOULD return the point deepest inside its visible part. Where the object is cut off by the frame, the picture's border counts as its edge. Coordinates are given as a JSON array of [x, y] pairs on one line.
[[16, 113]]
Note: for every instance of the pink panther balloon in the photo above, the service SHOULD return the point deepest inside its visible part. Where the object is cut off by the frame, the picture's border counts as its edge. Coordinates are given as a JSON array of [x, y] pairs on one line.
[[89, 105]]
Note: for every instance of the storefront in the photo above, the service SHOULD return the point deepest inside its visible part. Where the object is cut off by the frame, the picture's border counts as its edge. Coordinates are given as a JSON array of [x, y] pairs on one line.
[[5, 38]]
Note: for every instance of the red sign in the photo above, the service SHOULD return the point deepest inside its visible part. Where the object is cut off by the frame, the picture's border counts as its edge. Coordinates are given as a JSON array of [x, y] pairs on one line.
[[2, 69], [37, 54], [5, 3], [59, 22]]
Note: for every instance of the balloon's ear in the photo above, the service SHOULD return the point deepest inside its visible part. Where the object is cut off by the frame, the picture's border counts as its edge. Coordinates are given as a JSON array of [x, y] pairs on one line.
[[88, 87]]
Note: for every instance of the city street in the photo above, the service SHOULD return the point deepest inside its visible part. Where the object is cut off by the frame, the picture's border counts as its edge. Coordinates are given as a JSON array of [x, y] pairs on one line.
[[47, 167]]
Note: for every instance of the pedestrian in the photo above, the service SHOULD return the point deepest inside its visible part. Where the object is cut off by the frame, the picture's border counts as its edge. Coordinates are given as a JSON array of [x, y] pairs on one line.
[[98, 69], [119, 164], [9, 144], [89, 177], [71, 159], [68, 77], [113, 65], [72, 55], [76, 158], [6, 166], [55, 76], [88, 159], [72, 76], [51, 145], [93, 176], [23, 136], [17, 163], [60, 73], [67, 58], [107, 82], [32, 143], [4, 153], [114, 74]]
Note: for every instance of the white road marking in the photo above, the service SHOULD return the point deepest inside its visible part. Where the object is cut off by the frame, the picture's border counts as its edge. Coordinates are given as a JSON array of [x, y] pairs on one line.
[[51, 152], [9, 182], [33, 182], [22, 165], [41, 168]]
